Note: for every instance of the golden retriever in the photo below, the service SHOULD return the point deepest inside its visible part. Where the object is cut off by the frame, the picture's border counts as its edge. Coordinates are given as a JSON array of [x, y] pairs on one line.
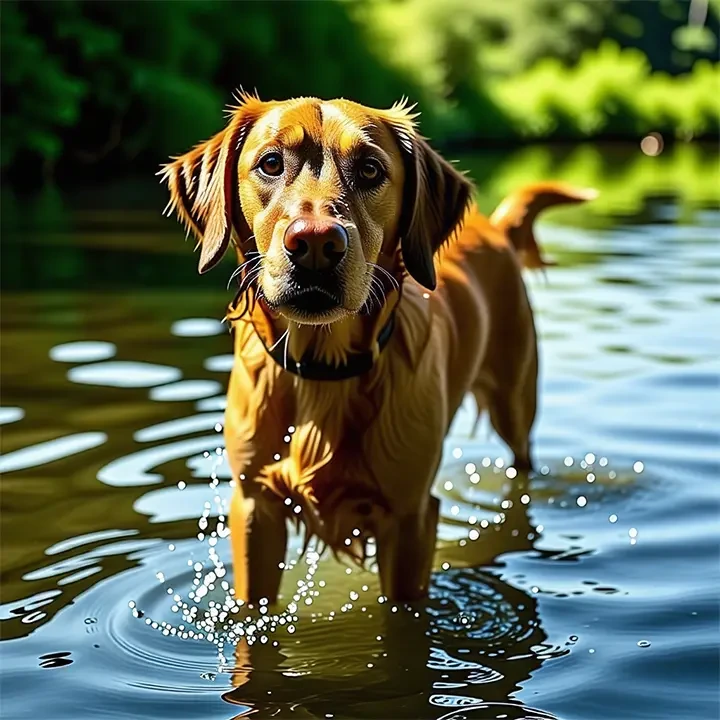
[[372, 296]]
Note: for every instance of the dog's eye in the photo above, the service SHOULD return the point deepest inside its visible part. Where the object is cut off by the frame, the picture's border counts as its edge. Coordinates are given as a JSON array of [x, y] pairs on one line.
[[271, 164], [370, 172]]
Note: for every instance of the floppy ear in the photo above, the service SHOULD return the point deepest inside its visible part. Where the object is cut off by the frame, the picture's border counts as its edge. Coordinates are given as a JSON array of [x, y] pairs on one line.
[[435, 198], [203, 186]]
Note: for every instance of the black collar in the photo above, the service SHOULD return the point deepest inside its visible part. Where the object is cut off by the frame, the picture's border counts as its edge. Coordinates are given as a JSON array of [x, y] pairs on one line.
[[311, 369]]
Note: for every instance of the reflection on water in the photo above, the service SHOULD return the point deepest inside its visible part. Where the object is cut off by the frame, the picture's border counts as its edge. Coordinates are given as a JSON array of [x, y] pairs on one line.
[[82, 351], [123, 374], [588, 591]]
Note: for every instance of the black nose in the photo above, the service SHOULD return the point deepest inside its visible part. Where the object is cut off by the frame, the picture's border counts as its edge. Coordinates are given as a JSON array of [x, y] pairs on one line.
[[315, 243]]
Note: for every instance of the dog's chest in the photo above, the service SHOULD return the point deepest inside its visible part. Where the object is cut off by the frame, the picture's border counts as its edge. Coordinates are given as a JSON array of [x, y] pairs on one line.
[[325, 481]]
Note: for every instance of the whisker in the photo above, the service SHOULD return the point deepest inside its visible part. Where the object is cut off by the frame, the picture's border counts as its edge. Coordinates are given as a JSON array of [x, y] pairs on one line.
[[238, 270], [252, 274], [287, 342], [249, 279], [279, 340], [394, 282], [374, 300], [376, 283]]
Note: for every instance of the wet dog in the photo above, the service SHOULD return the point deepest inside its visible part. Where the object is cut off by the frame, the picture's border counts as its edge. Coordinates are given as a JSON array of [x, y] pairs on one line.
[[372, 297]]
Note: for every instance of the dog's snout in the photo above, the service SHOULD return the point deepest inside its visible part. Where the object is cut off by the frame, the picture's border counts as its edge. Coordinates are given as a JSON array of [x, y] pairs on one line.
[[315, 243]]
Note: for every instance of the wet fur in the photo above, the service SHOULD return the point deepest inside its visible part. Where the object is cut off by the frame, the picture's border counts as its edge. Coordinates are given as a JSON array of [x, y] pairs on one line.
[[363, 452]]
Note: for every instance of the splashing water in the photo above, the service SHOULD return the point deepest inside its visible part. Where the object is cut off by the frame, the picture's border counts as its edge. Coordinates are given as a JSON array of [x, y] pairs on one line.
[[210, 612]]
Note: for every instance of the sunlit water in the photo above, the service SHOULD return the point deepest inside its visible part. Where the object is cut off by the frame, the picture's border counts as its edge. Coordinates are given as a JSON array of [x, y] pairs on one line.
[[589, 592]]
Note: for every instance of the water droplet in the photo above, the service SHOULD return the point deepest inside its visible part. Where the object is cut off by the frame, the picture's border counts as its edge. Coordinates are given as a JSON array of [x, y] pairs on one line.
[[632, 532], [581, 501], [590, 458], [643, 643], [613, 518], [448, 485], [568, 461], [457, 453], [465, 618], [470, 468], [638, 467]]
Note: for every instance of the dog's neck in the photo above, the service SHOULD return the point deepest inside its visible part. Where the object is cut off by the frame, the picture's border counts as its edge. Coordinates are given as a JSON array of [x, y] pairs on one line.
[[333, 344]]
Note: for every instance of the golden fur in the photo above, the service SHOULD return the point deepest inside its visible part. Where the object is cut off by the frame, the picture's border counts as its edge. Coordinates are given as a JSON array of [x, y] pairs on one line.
[[356, 458]]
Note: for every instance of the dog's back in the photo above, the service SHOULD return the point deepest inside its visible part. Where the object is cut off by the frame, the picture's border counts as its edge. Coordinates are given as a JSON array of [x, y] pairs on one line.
[[481, 287]]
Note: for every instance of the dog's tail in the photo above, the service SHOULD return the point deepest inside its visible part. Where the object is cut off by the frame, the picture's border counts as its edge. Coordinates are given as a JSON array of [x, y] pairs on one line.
[[517, 212]]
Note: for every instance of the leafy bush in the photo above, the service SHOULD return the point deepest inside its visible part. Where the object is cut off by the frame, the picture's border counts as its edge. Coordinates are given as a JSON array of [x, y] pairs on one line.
[[91, 86], [611, 92]]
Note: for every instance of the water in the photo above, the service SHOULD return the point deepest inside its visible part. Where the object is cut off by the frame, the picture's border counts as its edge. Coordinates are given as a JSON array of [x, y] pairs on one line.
[[591, 592]]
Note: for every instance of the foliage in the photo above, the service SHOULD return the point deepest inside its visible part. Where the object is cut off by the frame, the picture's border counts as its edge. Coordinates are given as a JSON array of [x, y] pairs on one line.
[[92, 87], [108, 82], [611, 92]]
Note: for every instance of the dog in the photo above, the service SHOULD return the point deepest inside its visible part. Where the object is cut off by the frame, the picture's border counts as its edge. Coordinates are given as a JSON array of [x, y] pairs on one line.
[[372, 296]]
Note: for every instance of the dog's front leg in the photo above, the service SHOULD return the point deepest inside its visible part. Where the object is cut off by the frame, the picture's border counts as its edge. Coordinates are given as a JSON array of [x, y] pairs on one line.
[[259, 539], [405, 550]]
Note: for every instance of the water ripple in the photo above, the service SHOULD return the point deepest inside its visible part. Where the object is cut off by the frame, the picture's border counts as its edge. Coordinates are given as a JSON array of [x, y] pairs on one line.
[[50, 451], [124, 374], [132, 469], [83, 351], [185, 390]]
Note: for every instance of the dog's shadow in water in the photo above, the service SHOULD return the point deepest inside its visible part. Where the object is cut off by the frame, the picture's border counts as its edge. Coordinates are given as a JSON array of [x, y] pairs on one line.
[[460, 654]]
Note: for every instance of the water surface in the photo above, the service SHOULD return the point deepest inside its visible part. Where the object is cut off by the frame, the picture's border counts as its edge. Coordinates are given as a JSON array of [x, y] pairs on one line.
[[589, 592]]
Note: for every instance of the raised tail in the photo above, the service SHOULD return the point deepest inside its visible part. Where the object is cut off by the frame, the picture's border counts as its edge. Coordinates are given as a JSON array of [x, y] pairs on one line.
[[517, 212]]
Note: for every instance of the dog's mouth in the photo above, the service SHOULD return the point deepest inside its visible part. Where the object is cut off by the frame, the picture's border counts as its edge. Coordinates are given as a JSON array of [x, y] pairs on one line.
[[308, 303], [311, 301]]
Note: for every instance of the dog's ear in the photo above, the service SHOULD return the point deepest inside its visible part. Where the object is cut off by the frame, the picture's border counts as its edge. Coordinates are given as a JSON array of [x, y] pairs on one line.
[[435, 197], [203, 185]]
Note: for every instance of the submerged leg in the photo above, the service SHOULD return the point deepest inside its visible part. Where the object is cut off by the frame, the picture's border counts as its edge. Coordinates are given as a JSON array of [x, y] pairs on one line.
[[259, 540], [405, 550]]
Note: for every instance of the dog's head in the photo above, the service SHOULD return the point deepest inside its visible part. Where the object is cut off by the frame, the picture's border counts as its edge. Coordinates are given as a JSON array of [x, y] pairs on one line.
[[313, 192]]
